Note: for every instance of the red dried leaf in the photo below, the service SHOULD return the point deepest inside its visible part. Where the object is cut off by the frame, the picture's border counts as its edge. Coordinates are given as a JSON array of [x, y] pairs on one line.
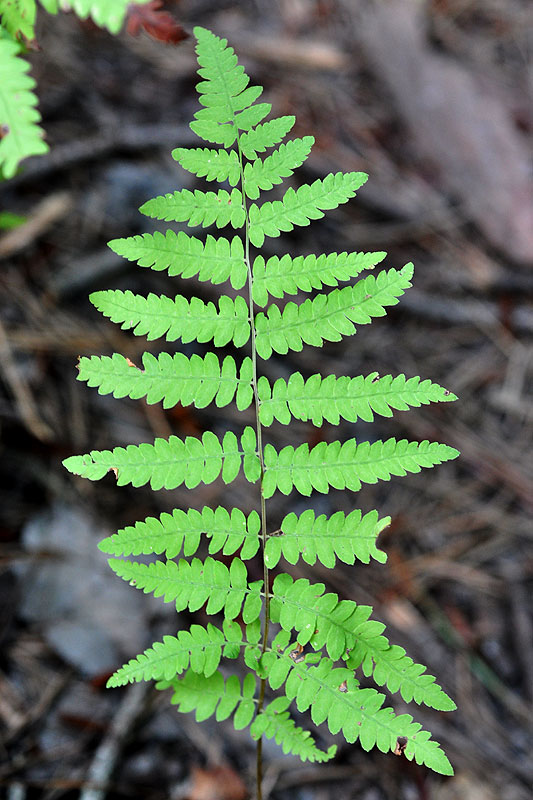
[[159, 24]]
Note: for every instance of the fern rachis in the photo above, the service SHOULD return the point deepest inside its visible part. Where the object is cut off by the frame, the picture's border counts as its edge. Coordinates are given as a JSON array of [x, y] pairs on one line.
[[310, 645]]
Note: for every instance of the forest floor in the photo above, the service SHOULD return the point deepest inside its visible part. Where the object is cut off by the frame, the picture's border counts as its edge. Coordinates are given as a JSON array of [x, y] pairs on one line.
[[434, 102]]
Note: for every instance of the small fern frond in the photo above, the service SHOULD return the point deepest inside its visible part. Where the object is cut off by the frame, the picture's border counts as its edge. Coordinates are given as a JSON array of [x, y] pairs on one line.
[[287, 275], [265, 135], [327, 538], [274, 722], [213, 165], [390, 666], [212, 695], [347, 465], [19, 118], [196, 583], [267, 173], [214, 260], [332, 695], [179, 318], [300, 206], [198, 208], [227, 532], [168, 463], [172, 379], [199, 648], [332, 399], [229, 103], [329, 317]]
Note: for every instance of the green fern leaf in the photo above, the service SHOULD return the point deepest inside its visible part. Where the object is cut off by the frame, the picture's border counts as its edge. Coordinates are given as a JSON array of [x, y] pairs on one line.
[[178, 318], [214, 260], [329, 316], [196, 583], [332, 695], [198, 208], [348, 465], [213, 165], [227, 532], [265, 135], [18, 18], [264, 174], [332, 399], [52, 6], [21, 134], [172, 379], [275, 723], [286, 275], [213, 695], [200, 648], [327, 538], [168, 463], [389, 665], [300, 206]]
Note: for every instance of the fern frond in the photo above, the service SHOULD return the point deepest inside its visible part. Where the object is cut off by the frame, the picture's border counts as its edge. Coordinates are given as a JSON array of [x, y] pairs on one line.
[[332, 399], [19, 118], [333, 695], [214, 260], [167, 463], [274, 722], [196, 583], [200, 648], [198, 208], [179, 318], [212, 695], [171, 378], [287, 275], [213, 165], [229, 103], [327, 538], [268, 172], [300, 206], [227, 532], [348, 465], [390, 666], [265, 135], [18, 18], [329, 317]]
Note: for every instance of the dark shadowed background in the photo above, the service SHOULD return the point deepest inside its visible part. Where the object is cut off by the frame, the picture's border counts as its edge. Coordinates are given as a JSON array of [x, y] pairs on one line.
[[434, 101]]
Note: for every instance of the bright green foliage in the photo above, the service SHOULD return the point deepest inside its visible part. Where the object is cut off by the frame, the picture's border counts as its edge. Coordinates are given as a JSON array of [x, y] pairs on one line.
[[171, 379], [21, 135], [215, 260], [167, 463], [198, 208], [286, 275], [333, 695], [188, 320], [18, 18], [192, 584], [300, 206], [329, 316], [275, 723], [227, 532], [348, 465], [320, 643], [199, 647], [326, 538], [331, 398]]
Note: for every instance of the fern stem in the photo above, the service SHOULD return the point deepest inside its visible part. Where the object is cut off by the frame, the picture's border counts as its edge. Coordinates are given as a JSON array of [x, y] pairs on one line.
[[264, 645]]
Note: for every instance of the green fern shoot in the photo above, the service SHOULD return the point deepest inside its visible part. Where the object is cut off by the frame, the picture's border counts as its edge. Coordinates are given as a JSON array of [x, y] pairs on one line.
[[299, 644]]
